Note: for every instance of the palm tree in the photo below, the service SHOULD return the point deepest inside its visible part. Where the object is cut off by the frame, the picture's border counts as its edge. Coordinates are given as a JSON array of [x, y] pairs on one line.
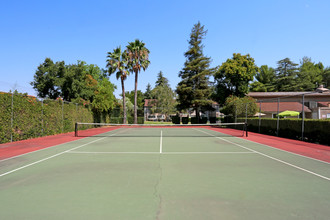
[[138, 58], [117, 61]]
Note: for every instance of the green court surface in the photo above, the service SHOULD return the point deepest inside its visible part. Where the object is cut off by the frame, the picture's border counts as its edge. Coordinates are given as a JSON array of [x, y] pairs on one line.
[[163, 173]]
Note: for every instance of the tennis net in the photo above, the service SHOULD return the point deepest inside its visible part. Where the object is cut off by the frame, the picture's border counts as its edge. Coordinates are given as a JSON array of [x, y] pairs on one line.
[[169, 130]]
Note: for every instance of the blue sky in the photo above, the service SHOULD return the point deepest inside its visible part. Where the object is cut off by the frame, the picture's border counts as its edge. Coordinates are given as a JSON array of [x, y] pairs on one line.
[[86, 30]]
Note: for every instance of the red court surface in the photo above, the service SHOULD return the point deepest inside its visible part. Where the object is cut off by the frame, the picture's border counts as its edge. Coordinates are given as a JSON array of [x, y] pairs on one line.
[[8, 150], [316, 151]]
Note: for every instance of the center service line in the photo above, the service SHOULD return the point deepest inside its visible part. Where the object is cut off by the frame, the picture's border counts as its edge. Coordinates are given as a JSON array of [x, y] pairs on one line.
[[161, 142]]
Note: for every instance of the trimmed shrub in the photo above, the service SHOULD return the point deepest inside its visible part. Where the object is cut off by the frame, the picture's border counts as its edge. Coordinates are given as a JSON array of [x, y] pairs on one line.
[[213, 120], [201, 120], [185, 120], [175, 120], [315, 130], [33, 118]]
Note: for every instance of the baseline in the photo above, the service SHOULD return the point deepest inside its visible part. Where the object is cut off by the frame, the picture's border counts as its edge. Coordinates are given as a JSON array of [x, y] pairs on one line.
[[215, 152]]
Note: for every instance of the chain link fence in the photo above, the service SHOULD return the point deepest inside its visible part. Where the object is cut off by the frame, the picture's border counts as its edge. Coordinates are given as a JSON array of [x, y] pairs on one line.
[[24, 117], [296, 115]]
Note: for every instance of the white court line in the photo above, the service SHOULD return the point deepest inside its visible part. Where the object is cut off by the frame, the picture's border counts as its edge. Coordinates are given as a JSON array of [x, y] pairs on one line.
[[46, 148], [311, 158], [273, 158], [215, 152], [55, 155], [105, 152], [161, 142]]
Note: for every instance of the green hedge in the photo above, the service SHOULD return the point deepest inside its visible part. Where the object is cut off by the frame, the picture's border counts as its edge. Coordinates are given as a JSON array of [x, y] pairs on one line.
[[213, 120], [185, 120], [315, 131], [32, 118], [201, 120], [175, 120]]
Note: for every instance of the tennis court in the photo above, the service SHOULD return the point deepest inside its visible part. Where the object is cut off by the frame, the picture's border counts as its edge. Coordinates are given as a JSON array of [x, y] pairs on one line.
[[163, 173]]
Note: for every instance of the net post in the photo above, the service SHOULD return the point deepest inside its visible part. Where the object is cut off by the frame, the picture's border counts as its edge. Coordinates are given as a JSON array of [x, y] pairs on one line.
[[76, 129], [246, 129]]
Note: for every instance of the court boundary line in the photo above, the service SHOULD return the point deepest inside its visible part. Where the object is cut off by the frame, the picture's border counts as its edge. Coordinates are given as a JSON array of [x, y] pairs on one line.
[[312, 158], [57, 145], [281, 149], [273, 158], [289, 152], [137, 152], [36, 151], [47, 158]]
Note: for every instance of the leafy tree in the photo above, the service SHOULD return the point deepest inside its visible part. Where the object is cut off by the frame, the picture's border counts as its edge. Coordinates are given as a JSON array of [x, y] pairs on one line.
[[140, 98], [117, 61], [286, 73], [326, 77], [104, 99], [309, 76], [147, 94], [237, 106], [78, 83], [48, 79], [257, 86], [71, 82], [234, 75], [164, 96], [194, 90], [265, 80], [138, 56]]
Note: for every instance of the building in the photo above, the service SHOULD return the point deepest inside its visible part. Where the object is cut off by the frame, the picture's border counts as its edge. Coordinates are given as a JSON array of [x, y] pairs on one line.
[[151, 113], [314, 104]]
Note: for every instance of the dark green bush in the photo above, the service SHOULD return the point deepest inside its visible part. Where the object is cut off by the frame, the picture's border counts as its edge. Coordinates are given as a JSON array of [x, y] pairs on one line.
[[316, 131], [175, 119], [213, 120], [185, 120], [33, 118], [201, 120]]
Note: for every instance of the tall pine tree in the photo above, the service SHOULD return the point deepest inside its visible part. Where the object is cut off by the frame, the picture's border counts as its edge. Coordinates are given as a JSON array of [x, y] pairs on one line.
[[194, 90], [286, 74], [147, 94]]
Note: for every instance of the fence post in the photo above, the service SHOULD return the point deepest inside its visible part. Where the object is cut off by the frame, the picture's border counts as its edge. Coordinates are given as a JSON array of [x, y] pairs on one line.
[[62, 116], [246, 114], [76, 129], [42, 117], [303, 117], [278, 117], [235, 113], [259, 116], [12, 117]]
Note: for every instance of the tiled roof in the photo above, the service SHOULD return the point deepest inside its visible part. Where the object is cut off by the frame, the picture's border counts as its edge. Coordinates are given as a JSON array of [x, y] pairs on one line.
[[324, 104], [149, 102], [283, 106], [285, 94]]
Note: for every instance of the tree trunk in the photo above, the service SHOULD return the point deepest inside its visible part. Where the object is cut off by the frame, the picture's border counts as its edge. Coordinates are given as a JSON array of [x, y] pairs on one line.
[[124, 102], [135, 98], [197, 115]]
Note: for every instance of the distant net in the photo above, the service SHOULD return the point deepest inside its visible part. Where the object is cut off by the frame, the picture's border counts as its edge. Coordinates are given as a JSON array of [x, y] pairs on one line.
[[153, 130]]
